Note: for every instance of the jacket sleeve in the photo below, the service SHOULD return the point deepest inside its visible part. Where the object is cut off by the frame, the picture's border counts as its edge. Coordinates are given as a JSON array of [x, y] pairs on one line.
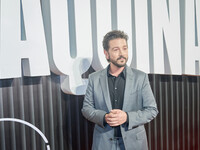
[[89, 111], [149, 110]]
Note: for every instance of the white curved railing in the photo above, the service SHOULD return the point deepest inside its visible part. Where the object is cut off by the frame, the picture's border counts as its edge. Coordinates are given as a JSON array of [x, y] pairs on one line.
[[30, 125]]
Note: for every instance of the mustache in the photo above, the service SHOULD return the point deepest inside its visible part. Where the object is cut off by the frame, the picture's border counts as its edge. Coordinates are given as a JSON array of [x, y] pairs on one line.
[[121, 57]]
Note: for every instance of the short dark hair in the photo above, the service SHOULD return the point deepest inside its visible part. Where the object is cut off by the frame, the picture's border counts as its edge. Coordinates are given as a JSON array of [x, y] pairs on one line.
[[115, 34]]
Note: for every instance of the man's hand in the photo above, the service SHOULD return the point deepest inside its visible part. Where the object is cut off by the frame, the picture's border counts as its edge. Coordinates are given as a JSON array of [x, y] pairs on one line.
[[116, 117]]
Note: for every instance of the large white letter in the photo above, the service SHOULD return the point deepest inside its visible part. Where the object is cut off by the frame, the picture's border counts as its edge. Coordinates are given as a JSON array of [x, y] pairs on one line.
[[142, 36], [192, 51], [166, 36], [12, 49], [70, 68], [10, 65], [103, 18]]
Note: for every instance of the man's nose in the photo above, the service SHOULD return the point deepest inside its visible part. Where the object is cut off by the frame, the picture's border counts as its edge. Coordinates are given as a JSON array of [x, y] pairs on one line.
[[120, 52]]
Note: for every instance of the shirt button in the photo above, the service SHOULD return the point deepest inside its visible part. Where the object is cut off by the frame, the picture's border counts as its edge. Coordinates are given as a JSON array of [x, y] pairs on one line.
[[115, 88]]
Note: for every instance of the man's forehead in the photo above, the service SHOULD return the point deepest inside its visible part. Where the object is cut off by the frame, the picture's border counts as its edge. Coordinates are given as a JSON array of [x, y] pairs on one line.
[[117, 42]]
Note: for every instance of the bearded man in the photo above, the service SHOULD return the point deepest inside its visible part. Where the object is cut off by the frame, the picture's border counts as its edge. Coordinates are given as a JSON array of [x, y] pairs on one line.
[[119, 100]]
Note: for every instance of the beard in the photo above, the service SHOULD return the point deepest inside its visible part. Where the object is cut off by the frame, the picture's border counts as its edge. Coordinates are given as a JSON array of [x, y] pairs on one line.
[[118, 62]]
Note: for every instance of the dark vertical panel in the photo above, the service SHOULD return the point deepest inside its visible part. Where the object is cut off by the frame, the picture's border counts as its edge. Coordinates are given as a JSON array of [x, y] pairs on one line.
[[176, 114], [11, 111], [20, 102], [41, 102], [68, 126], [160, 104], [5, 84], [152, 129], [178, 102], [32, 111], [188, 115], [77, 110], [149, 128], [59, 115], [183, 114], [75, 123], [86, 140], [198, 114], [2, 129], [50, 113], [193, 115], [172, 111], [166, 113]]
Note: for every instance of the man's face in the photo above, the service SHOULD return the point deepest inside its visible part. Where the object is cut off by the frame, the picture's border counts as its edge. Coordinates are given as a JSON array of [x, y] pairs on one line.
[[118, 52]]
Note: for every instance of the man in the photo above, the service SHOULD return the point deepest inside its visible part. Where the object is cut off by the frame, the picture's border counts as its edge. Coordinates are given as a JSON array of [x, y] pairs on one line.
[[119, 100]]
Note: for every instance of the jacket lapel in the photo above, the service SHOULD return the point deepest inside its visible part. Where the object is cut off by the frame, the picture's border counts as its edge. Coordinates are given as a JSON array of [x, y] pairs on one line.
[[105, 89], [129, 83]]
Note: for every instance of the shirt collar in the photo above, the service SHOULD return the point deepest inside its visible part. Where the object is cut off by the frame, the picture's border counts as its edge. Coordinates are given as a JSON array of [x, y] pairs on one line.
[[122, 74]]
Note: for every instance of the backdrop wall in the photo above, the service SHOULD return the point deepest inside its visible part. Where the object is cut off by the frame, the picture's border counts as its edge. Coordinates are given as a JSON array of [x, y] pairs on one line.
[[48, 48], [41, 102]]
